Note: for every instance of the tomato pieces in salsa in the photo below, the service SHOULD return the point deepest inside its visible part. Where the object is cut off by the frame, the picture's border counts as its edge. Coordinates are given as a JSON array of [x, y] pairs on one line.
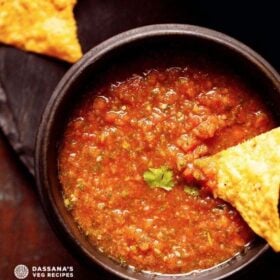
[[128, 139]]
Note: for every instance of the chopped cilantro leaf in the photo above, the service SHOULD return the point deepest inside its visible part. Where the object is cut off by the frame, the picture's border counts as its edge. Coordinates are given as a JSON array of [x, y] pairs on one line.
[[161, 177]]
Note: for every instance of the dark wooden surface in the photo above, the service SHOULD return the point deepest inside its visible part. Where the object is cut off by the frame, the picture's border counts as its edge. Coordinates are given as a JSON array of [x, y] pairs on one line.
[[27, 81]]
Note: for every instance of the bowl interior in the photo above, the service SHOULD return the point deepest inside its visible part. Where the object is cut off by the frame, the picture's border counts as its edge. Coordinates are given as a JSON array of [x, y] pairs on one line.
[[120, 61]]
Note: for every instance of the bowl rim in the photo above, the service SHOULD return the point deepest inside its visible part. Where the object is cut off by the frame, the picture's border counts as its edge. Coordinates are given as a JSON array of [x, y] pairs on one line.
[[93, 55]]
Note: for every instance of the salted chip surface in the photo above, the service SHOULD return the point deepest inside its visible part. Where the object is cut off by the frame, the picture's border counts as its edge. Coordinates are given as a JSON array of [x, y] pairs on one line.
[[248, 177], [41, 26]]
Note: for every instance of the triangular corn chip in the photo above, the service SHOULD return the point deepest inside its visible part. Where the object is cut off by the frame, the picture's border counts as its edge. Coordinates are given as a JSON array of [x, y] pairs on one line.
[[41, 26], [248, 177]]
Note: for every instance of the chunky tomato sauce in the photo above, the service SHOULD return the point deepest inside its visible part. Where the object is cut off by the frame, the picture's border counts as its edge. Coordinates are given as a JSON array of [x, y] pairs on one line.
[[164, 117]]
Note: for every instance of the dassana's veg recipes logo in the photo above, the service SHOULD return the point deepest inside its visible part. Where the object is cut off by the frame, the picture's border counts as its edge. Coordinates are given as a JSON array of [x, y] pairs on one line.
[[21, 271]]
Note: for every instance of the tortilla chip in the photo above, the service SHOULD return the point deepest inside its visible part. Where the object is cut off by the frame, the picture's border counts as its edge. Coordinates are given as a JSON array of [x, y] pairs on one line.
[[248, 177], [41, 26]]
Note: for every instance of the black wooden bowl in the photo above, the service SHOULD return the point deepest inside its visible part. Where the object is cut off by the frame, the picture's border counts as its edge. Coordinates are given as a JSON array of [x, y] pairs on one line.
[[121, 55]]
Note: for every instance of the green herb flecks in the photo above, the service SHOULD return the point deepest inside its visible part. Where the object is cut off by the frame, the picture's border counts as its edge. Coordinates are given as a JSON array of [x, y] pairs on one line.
[[191, 190], [68, 204], [161, 177], [125, 145], [122, 261], [208, 236], [80, 184]]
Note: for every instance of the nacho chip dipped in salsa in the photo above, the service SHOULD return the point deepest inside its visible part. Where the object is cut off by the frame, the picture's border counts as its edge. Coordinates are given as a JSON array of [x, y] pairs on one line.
[[248, 177]]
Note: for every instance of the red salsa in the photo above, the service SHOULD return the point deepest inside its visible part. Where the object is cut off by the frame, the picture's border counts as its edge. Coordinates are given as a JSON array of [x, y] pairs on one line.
[[129, 136]]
